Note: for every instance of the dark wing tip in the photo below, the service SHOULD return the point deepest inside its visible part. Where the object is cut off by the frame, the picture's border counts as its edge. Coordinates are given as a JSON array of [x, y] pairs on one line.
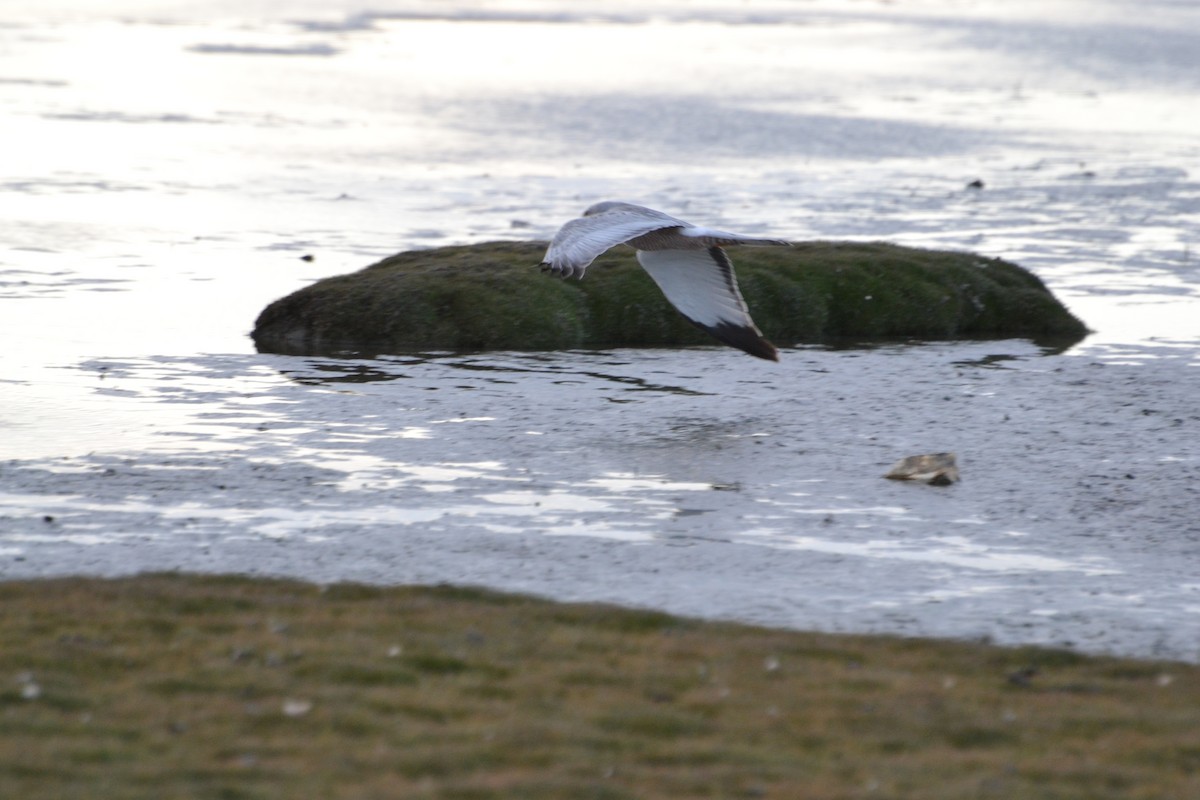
[[744, 338], [561, 271]]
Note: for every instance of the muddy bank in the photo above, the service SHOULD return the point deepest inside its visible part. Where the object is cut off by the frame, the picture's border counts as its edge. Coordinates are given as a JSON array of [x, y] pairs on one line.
[[492, 297]]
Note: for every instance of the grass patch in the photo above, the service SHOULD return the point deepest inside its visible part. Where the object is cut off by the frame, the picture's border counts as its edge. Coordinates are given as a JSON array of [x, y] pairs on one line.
[[222, 687]]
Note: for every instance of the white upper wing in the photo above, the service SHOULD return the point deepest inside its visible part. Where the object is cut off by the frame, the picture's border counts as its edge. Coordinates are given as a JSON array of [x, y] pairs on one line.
[[580, 241], [701, 284]]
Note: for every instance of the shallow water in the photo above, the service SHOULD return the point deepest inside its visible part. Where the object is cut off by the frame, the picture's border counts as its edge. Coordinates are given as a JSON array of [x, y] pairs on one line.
[[675, 479], [174, 164]]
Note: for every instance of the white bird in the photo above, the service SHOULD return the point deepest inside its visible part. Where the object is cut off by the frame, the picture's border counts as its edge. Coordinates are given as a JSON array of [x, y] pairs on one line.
[[686, 261]]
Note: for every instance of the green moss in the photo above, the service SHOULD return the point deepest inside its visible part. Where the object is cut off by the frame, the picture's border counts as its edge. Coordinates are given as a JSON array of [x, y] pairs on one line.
[[654, 724], [493, 296], [455, 298]]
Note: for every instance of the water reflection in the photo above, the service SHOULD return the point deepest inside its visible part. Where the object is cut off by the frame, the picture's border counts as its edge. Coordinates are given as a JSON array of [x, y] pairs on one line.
[[493, 368], [577, 367], [343, 371]]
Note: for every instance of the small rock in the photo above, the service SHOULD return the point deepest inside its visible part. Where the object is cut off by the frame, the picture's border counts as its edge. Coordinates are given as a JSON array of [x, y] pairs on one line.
[[30, 690], [936, 469], [293, 707]]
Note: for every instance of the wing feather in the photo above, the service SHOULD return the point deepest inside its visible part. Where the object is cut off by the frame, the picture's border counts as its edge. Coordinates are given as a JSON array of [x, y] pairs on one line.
[[581, 240], [722, 238], [702, 286]]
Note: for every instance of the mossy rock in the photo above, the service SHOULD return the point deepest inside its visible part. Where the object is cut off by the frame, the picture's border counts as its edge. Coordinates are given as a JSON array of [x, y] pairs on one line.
[[493, 296]]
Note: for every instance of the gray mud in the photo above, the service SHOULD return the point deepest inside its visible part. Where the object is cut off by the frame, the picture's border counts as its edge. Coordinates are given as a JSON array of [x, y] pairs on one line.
[[697, 481]]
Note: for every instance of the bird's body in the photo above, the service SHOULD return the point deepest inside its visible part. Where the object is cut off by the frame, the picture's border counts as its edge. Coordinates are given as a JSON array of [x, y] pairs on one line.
[[687, 262]]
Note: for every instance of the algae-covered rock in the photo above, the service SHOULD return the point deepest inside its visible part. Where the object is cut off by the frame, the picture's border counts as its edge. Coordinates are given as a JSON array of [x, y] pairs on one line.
[[493, 296]]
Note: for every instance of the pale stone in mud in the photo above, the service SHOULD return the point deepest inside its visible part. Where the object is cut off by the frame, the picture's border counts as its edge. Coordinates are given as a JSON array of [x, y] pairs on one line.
[[936, 469], [492, 296]]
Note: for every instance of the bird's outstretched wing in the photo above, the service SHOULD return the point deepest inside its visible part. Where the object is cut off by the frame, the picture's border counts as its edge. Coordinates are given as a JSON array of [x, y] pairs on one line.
[[723, 238], [580, 241], [702, 286]]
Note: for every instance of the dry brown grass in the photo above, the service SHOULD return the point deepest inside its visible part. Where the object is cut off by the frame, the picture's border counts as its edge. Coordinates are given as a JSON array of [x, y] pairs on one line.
[[219, 687]]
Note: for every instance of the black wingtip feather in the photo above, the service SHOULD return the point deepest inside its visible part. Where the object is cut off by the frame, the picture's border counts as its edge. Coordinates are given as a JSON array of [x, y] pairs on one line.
[[748, 340]]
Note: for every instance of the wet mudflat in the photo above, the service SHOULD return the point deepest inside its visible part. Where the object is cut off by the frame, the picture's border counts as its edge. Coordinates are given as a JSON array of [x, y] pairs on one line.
[[698, 481]]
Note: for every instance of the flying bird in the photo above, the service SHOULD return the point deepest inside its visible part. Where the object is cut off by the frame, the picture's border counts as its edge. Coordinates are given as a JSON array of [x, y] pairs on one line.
[[688, 263]]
